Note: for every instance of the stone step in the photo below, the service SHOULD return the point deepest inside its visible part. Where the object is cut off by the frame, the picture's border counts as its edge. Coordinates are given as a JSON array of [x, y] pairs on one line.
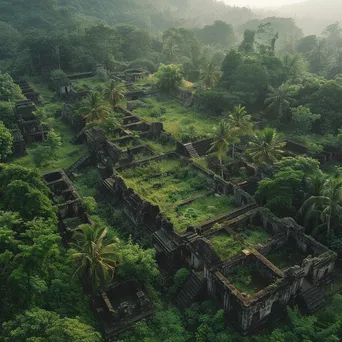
[[191, 150], [78, 136], [313, 299], [189, 292], [78, 164]]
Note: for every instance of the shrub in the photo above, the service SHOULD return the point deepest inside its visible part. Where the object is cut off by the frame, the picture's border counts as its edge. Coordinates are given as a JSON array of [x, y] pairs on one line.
[[144, 64], [179, 280]]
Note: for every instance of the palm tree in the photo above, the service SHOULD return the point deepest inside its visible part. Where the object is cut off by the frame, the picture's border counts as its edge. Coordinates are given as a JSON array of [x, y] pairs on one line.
[[265, 146], [171, 49], [240, 124], [94, 109], [326, 205], [210, 75], [113, 94], [279, 100], [95, 256], [221, 142]]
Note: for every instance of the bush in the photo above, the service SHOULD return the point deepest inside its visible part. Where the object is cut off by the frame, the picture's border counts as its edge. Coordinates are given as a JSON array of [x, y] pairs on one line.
[[179, 280], [6, 142], [144, 64], [41, 155], [90, 204]]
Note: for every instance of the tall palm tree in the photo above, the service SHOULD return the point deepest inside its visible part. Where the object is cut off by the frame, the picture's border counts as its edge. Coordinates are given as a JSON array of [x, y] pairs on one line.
[[171, 49], [210, 74], [266, 146], [95, 256], [279, 99], [240, 123], [327, 205], [221, 142], [94, 109], [113, 94]]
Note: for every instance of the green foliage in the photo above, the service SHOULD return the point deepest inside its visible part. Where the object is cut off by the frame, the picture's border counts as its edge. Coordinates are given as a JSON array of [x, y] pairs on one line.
[[303, 119], [90, 204], [226, 246], [8, 89], [143, 63], [96, 258], [48, 150], [169, 77], [279, 193], [179, 280], [219, 33], [20, 197], [266, 146], [138, 263], [7, 113], [40, 325], [6, 142]]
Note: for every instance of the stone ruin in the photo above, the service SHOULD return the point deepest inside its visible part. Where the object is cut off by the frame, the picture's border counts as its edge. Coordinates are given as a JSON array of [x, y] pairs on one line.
[[27, 91], [256, 280], [19, 146], [32, 130], [282, 265], [266, 263], [71, 211], [184, 96], [120, 306]]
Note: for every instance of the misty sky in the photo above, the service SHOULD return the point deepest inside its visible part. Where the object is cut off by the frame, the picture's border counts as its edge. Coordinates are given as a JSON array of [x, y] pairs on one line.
[[260, 3]]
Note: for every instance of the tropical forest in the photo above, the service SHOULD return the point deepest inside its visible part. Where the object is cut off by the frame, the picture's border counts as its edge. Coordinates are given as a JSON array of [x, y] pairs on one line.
[[170, 171]]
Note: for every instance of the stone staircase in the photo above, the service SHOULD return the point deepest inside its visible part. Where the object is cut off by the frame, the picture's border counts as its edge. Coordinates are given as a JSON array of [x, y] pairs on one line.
[[78, 136], [78, 164], [313, 297], [191, 237], [191, 150], [190, 291]]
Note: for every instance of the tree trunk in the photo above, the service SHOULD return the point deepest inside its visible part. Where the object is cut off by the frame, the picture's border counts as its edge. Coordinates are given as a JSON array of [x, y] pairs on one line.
[[221, 166]]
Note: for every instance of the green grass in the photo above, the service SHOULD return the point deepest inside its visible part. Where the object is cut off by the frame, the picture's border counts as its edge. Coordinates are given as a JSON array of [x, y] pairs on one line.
[[247, 280], [254, 235], [165, 182], [159, 147], [286, 257], [178, 120], [200, 210], [226, 246], [68, 153]]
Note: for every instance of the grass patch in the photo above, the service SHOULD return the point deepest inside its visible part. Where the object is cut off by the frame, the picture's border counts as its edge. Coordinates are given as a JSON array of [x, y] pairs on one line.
[[226, 246], [165, 182], [248, 280], [159, 147], [200, 210], [68, 153], [254, 235], [286, 257], [183, 123]]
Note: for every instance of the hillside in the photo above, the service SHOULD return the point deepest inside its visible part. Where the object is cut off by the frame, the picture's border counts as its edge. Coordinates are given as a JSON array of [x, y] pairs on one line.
[[313, 15]]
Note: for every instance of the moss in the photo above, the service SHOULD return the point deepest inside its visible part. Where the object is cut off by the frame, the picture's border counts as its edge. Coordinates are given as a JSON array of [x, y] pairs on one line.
[[200, 210], [286, 257], [254, 235], [226, 246], [67, 153], [165, 182], [248, 280], [181, 122]]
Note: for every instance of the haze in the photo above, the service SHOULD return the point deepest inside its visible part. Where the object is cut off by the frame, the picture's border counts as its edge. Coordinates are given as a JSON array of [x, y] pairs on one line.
[[261, 3]]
